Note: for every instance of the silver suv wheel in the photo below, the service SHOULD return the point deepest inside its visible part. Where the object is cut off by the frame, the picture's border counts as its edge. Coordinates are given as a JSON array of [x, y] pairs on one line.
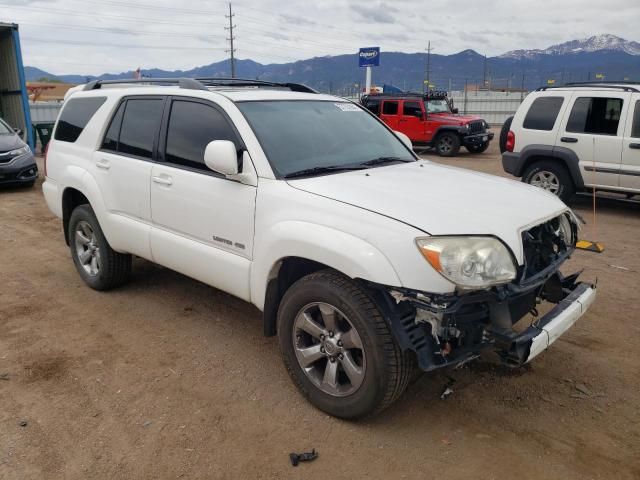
[[546, 180], [87, 249], [329, 349]]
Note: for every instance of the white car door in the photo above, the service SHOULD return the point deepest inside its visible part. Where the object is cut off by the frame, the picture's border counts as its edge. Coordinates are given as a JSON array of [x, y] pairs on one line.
[[630, 168], [203, 223], [122, 169], [593, 128]]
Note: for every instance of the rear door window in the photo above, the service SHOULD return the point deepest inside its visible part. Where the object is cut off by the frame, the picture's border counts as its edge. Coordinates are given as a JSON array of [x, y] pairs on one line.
[[635, 128], [75, 116], [595, 115], [192, 125], [390, 108], [140, 126], [543, 113], [110, 141]]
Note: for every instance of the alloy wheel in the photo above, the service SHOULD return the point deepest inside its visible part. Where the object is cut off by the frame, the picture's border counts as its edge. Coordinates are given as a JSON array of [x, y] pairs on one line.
[[329, 349], [547, 181], [87, 249]]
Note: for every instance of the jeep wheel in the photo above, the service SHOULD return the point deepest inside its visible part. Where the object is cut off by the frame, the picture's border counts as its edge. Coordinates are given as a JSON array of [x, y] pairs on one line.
[[337, 347], [447, 144], [98, 264], [478, 148], [504, 131], [550, 176]]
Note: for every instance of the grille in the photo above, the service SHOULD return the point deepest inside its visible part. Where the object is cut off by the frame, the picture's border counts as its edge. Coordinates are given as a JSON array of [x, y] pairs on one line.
[[476, 127], [547, 244]]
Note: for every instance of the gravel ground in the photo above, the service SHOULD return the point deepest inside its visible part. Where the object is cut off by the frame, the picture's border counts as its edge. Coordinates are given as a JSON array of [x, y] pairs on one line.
[[169, 378]]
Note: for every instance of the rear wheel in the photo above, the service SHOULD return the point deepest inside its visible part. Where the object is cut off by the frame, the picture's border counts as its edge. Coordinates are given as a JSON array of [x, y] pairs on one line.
[[338, 348], [447, 144], [478, 148], [98, 264], [551, 176]]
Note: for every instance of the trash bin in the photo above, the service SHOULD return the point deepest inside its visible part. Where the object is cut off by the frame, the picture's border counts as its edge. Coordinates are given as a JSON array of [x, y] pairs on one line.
[[44, 133]]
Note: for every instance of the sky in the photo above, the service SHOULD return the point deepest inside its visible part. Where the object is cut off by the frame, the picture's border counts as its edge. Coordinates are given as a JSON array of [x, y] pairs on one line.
[[91, 37]]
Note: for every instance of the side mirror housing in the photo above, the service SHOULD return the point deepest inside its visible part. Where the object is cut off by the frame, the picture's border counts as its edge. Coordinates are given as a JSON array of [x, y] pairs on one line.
[[18, 131], [221, 156], [406, 140]]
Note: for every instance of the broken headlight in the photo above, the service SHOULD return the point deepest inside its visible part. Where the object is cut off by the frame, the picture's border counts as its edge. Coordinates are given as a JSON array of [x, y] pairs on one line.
[[469, 262]]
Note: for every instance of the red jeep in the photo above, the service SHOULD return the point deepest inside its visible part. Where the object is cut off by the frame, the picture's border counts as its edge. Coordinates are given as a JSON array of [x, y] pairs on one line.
[[430, 120]]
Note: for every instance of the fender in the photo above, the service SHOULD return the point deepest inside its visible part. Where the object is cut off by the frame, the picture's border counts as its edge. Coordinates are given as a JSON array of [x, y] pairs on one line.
[[345, 253], [515, 163], [459, 129]]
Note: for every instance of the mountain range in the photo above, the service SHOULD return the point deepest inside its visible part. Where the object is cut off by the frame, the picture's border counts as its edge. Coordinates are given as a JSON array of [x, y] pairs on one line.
[[605, 55]]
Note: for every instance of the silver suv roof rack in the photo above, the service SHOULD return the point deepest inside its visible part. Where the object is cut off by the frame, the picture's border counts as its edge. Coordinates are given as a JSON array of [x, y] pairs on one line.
[[622, 85], [200, 83]]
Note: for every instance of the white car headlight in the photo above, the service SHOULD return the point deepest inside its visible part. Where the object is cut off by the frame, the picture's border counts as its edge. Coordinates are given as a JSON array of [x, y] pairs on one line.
[[469, 262], [20, 151]]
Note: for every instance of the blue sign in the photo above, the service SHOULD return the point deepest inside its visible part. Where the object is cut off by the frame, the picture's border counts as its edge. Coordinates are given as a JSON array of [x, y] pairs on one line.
[[369, 57]]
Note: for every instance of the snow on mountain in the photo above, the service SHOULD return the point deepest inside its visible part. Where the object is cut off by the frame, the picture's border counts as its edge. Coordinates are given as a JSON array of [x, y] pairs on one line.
[[591, 44]]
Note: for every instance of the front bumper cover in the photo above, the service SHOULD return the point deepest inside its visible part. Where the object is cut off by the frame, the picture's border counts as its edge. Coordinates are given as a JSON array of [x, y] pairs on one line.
[[22, 169], [477, 139]]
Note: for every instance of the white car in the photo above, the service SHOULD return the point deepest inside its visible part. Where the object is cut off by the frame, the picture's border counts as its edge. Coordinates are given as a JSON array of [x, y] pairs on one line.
[[365, 259], [577, 137]]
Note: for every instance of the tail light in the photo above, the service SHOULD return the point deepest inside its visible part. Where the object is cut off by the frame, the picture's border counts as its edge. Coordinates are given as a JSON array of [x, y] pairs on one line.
[[511, 141], [46, 150]]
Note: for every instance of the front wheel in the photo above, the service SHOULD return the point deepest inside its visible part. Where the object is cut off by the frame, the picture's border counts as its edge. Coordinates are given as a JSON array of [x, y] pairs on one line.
[[479, 148], [447, 144], [337, 347]]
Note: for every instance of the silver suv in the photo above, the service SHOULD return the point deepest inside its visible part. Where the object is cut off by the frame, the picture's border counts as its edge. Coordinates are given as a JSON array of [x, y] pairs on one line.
[[577, 137]]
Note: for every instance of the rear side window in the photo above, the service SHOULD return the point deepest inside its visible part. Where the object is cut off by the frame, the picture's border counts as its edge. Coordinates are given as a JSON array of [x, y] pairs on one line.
[[542, 113], [412, 109], [140, 125], [74, 117], [192, 126], [373, 106], [390, 108], [635, 129], [597, 115], [110, 141]]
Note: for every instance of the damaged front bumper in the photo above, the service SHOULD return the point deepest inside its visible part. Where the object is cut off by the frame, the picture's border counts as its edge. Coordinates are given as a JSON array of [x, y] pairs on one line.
[[450, 329]]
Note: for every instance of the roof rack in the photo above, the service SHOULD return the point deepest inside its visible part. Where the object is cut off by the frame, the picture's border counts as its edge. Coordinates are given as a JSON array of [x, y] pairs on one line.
[[622, 85], [432, 94], [200, 83]]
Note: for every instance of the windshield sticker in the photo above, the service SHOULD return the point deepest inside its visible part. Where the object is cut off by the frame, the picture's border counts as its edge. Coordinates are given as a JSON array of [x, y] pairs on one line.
[[348, 107]]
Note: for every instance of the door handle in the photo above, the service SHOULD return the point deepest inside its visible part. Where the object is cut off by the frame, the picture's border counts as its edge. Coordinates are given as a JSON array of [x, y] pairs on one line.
[[163, 180], [569, 140], [104, 164], [635, 146]]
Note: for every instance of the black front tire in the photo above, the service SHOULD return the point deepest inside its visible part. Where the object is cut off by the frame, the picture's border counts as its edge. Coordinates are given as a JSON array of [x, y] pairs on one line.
[[478, 148], [448, 144], [566, 188], [114, 268], [388, 368]]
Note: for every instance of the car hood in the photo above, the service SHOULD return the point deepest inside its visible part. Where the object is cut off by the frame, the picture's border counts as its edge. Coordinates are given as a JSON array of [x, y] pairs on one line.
[[10, 142], [442, 200], [454, 117]]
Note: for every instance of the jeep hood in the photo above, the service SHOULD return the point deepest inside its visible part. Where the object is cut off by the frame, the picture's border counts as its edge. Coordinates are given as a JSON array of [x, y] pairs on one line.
[[454, 118], [441, 200]]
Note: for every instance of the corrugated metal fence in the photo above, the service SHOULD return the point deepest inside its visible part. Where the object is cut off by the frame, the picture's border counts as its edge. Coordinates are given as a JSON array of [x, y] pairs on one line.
[[44, 112], [494, 107]]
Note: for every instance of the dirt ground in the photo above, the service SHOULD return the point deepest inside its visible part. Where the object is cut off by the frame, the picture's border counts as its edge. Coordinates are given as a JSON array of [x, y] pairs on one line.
[[169, 378]]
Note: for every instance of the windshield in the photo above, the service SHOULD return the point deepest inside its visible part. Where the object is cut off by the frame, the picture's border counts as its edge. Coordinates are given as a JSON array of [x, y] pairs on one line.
[[437, 106], [4, 128], [302, 135]]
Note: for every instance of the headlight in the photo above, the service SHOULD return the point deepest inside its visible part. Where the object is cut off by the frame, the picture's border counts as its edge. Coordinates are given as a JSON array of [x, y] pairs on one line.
[[469, 262], [20, 151], [565, 230]]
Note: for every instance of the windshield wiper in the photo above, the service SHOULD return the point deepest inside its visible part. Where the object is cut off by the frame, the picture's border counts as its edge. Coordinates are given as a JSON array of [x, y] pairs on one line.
[[319, 170], [381, 160]]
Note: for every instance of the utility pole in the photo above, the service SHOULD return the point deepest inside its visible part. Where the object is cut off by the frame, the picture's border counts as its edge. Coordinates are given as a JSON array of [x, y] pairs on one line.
[[484, 73], [428, 68], [230, 40]]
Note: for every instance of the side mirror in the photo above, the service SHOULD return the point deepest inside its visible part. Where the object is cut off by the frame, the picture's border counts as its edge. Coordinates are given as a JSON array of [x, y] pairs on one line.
[[221, 156], [455, 110], [406, 140], [18, 131]]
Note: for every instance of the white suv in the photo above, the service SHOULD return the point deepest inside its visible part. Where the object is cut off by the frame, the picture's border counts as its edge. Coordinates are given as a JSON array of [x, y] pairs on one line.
[[365, 260], [577, 137]]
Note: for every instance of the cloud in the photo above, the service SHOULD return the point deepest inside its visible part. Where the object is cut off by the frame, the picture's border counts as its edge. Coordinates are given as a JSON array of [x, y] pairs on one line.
[[379, 14]]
